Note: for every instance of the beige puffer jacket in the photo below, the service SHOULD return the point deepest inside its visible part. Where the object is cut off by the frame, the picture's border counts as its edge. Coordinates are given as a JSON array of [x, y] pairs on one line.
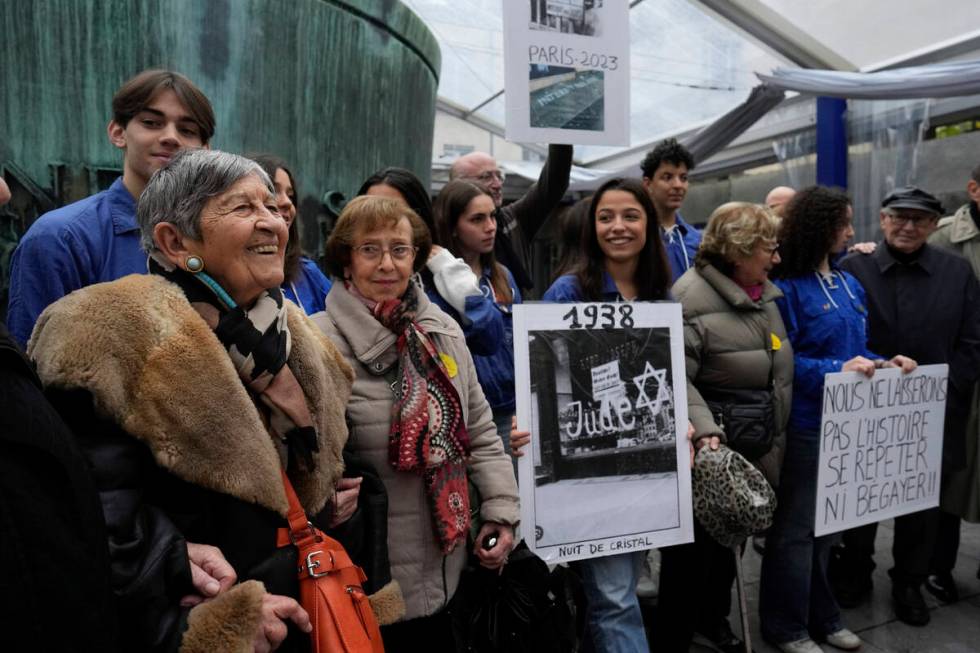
[[427, 578], [728, 340]]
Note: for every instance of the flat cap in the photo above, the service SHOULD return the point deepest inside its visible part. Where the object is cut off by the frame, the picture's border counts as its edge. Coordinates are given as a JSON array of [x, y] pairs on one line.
[[910, 197]]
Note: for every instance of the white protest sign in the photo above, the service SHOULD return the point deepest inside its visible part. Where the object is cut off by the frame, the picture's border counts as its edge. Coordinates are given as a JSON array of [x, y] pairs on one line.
[[603, 390], [567, 74], [881, 446]]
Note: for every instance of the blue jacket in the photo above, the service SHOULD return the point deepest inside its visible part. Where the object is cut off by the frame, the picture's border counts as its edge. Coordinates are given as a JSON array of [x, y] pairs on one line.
[[311, 286], [566, 289], [496, 372], [827, 326], [682, 246], [482, 323], [90, 241]]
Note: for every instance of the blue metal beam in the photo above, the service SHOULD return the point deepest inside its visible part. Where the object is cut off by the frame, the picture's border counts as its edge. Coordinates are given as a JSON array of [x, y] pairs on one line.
[[831, 142]]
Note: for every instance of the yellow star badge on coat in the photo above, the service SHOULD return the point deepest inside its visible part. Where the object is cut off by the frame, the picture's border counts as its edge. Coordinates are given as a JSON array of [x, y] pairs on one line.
[[777, 344], [450, 364]]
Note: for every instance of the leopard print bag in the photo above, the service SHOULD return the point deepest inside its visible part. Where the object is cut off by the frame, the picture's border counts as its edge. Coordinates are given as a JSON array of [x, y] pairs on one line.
[[732, 499]]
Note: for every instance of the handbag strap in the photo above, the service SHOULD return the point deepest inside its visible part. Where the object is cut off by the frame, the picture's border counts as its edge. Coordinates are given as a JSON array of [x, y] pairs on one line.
[[311, 541], [300, 527]]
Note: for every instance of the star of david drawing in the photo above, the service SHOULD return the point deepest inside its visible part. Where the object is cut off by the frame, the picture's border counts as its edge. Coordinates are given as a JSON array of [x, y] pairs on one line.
[[660, 378]]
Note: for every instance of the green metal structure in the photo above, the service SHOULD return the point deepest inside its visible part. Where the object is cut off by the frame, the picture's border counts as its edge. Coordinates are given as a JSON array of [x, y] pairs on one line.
[[338, 88]]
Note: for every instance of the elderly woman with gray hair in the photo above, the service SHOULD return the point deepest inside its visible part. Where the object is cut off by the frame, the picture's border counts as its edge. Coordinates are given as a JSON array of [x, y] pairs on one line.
[[190, 389], [739, 367]]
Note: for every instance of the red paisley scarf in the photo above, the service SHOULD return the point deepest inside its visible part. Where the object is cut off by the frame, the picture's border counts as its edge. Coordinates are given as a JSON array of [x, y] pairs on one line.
[[427, 436]]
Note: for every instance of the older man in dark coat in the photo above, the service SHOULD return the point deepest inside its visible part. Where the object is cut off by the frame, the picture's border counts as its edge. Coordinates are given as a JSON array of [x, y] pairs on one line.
[[925, 303]]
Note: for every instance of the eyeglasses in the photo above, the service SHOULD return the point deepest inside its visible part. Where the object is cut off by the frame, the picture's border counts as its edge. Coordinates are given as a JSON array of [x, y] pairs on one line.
[[918, 220], [489, 175], [374, 253], [770, 249]]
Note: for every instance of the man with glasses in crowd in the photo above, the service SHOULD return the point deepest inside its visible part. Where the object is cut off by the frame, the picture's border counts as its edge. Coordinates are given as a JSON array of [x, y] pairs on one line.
[[518, 222], [925, 303]]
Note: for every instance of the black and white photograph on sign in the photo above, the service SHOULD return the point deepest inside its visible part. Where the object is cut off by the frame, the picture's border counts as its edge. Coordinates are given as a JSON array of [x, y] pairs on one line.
[[881, 446], [604, 408], [566, 98], [567, 16]]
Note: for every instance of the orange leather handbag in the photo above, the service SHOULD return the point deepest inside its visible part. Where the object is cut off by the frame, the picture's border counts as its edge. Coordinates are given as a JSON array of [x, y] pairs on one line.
[[329, 587]]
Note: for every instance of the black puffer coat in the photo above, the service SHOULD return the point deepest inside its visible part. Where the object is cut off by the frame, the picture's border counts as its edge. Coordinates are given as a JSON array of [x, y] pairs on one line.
[[54, 566]]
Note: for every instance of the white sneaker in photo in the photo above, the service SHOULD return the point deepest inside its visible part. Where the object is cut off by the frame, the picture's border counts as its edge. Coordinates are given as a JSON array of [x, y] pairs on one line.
[[805, 645], [844, 639]]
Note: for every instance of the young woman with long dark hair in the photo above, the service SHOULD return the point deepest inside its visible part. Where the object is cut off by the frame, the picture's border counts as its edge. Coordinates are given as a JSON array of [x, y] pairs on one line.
[[623, 259], [465, 224]]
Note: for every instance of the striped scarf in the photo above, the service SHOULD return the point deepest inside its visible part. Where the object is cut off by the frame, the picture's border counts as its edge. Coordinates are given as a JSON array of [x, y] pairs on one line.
[[258, 343], [427, 435]]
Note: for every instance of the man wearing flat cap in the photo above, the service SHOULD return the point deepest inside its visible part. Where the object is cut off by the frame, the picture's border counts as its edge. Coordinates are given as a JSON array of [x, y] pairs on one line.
[[925, 303]]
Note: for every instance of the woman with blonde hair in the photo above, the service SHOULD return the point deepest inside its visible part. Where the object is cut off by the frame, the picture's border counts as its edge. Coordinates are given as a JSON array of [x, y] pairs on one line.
[[737, 355]]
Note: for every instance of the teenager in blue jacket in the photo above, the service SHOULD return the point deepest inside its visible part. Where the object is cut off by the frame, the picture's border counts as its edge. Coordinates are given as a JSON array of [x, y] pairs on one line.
[[466, 226], [446, 280], [623, 260], [825, 313]]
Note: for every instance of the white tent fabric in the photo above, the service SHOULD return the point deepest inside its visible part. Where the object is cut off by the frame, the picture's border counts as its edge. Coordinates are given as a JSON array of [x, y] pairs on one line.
[[928, 81]]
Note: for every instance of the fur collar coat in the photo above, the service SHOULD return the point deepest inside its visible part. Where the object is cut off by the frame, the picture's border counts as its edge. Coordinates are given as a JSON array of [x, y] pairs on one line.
[[155, 373]]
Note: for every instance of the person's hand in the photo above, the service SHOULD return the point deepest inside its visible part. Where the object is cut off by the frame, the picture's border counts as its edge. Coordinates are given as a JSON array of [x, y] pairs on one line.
[[210, 573], [496, 557], [906, 363], [518, 439], [865, 366], [690, 441], [710, 441], [863, 248], [344, 499], [434, 251], [277, 610]]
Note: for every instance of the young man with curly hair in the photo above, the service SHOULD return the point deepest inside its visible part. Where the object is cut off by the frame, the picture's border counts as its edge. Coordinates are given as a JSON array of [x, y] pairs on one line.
[[665, 170]]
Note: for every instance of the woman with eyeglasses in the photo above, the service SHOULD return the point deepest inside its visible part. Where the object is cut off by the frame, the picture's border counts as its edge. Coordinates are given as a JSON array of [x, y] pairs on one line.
[[465, 224], [739, 384], [446, 280], [416, 414], [824, 311]]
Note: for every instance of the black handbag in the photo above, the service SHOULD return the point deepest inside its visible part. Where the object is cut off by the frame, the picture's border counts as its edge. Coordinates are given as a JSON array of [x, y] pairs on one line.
[[524, 608], [747, 417]]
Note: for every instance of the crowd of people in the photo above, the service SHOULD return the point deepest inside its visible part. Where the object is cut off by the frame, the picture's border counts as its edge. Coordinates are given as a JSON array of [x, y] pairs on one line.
[[173, 355]]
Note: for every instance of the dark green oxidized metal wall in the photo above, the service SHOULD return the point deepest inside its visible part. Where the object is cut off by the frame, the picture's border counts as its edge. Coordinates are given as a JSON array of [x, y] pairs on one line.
[[338, 88]]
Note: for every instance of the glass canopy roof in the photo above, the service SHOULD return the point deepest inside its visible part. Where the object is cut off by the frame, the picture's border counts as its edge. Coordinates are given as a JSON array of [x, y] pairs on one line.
[[870, 33], [688, 66]]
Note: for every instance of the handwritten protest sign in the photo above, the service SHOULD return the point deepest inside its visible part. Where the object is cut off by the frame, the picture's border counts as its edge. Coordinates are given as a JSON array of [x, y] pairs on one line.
[[602, 388], [567, 71], [881, 444]]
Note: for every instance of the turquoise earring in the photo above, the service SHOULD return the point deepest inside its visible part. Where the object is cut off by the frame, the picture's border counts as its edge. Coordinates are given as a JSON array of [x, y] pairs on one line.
[[194, 264]]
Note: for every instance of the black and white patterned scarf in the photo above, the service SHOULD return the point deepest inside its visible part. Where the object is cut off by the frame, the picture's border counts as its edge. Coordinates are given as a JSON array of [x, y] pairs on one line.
[[258, 343]]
